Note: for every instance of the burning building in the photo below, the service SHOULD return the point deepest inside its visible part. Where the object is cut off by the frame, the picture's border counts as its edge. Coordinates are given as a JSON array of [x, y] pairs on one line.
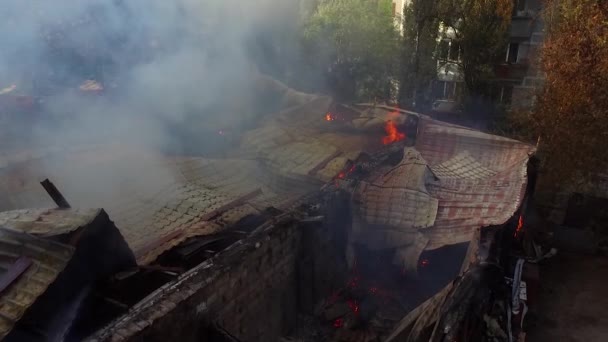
[[234, 207], [252, 241]]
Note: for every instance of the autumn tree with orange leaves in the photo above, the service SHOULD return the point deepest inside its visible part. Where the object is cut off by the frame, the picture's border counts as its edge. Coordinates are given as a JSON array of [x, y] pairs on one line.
[[571, 112]]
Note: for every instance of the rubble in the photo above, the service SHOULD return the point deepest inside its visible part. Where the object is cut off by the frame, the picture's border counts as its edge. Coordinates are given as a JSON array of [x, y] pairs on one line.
[[384, 202]]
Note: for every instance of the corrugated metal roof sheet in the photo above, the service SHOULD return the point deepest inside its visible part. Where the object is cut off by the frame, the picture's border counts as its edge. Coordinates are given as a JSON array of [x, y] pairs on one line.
[[455, 179], [398, 198], [47, 258], [452, 182], [47, 222], [158, 202], [482, 179]]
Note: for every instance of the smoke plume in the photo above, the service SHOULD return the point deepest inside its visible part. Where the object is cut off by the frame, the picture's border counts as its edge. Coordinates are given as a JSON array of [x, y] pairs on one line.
[[175, 74], [161, 63]]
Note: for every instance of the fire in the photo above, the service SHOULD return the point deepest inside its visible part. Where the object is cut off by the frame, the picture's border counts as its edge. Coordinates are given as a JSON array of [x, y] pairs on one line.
[[8, 89], [520, 225], [424, 262], [393, 134], [353, 305], [91, 85], [329, 117]]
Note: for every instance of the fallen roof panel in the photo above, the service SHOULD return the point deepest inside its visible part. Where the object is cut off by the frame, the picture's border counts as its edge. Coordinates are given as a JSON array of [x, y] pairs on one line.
[[46, 260]]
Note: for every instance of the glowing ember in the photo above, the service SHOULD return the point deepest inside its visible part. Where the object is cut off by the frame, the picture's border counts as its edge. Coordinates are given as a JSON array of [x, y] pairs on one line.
[[353, 305], [424, 262], [392, 133], [520, 225], [329, 117], [91, 85], [343, 173], [8, 89], [333, 298], [338, 323]]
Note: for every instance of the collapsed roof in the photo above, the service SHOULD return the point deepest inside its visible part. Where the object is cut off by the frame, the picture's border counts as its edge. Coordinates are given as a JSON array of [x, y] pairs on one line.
[[447, 182], [451, 180], [49, 257]]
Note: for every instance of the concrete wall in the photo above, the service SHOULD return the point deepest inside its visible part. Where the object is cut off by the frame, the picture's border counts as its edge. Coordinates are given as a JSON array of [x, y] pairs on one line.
[[253, 290]]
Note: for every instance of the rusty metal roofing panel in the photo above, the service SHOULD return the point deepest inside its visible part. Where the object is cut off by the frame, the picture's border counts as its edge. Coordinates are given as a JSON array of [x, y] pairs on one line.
[[462, 165], [47, 259], [156, 202], [438, 142], [397, 207], [454, 181], [47, 222], [482, 179], [398, 197]]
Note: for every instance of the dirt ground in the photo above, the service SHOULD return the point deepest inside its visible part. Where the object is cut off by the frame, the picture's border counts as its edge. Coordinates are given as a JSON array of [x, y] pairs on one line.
[[573, 300]]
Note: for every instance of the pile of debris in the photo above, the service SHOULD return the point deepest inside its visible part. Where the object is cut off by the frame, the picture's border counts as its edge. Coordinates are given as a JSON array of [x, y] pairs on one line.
[[405, 185]]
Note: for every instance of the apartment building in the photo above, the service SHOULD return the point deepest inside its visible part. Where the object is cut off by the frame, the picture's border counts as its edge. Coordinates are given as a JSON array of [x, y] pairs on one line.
[[520, 73], [517, 76]]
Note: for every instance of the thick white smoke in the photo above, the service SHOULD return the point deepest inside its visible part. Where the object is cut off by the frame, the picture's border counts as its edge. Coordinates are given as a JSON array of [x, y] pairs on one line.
[[171, 70], [160, 62]]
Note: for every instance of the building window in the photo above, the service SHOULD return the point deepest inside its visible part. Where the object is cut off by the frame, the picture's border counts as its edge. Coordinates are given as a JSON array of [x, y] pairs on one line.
[[450, 91], [512, 53], [519, 7], [443, 50], [439, 89], [454, 54], [447, 90], [449, 50], [506, 95]]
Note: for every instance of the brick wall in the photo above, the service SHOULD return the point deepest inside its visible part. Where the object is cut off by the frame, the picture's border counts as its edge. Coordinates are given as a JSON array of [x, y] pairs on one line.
[[254, 290]]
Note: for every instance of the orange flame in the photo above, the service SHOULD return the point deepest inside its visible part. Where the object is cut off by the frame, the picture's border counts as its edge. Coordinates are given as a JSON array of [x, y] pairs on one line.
[[393, 134], [329, 117], [520, 225], [91, 85]]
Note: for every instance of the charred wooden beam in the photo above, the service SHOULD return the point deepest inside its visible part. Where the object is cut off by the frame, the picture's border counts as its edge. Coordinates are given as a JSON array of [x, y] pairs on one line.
[[160, 268], [220, 334], [56, 196]]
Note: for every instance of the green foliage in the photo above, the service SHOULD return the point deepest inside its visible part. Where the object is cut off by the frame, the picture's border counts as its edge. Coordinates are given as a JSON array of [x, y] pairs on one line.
[[420, 31], [356, 42], [481, 28]]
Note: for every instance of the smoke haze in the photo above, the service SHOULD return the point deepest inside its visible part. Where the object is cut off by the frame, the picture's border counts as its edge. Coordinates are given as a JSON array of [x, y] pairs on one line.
[[174, 74], [160, 62]]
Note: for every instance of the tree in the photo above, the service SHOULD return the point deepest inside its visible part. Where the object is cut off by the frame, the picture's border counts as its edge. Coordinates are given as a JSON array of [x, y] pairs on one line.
[[355, 43], [571, 112], [478, 27], [420, 34], [481, 29]]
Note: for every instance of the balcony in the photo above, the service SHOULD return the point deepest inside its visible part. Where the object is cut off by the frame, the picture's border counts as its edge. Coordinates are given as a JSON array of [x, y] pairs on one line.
[[449, 71], [522, 27], [511, 71]]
